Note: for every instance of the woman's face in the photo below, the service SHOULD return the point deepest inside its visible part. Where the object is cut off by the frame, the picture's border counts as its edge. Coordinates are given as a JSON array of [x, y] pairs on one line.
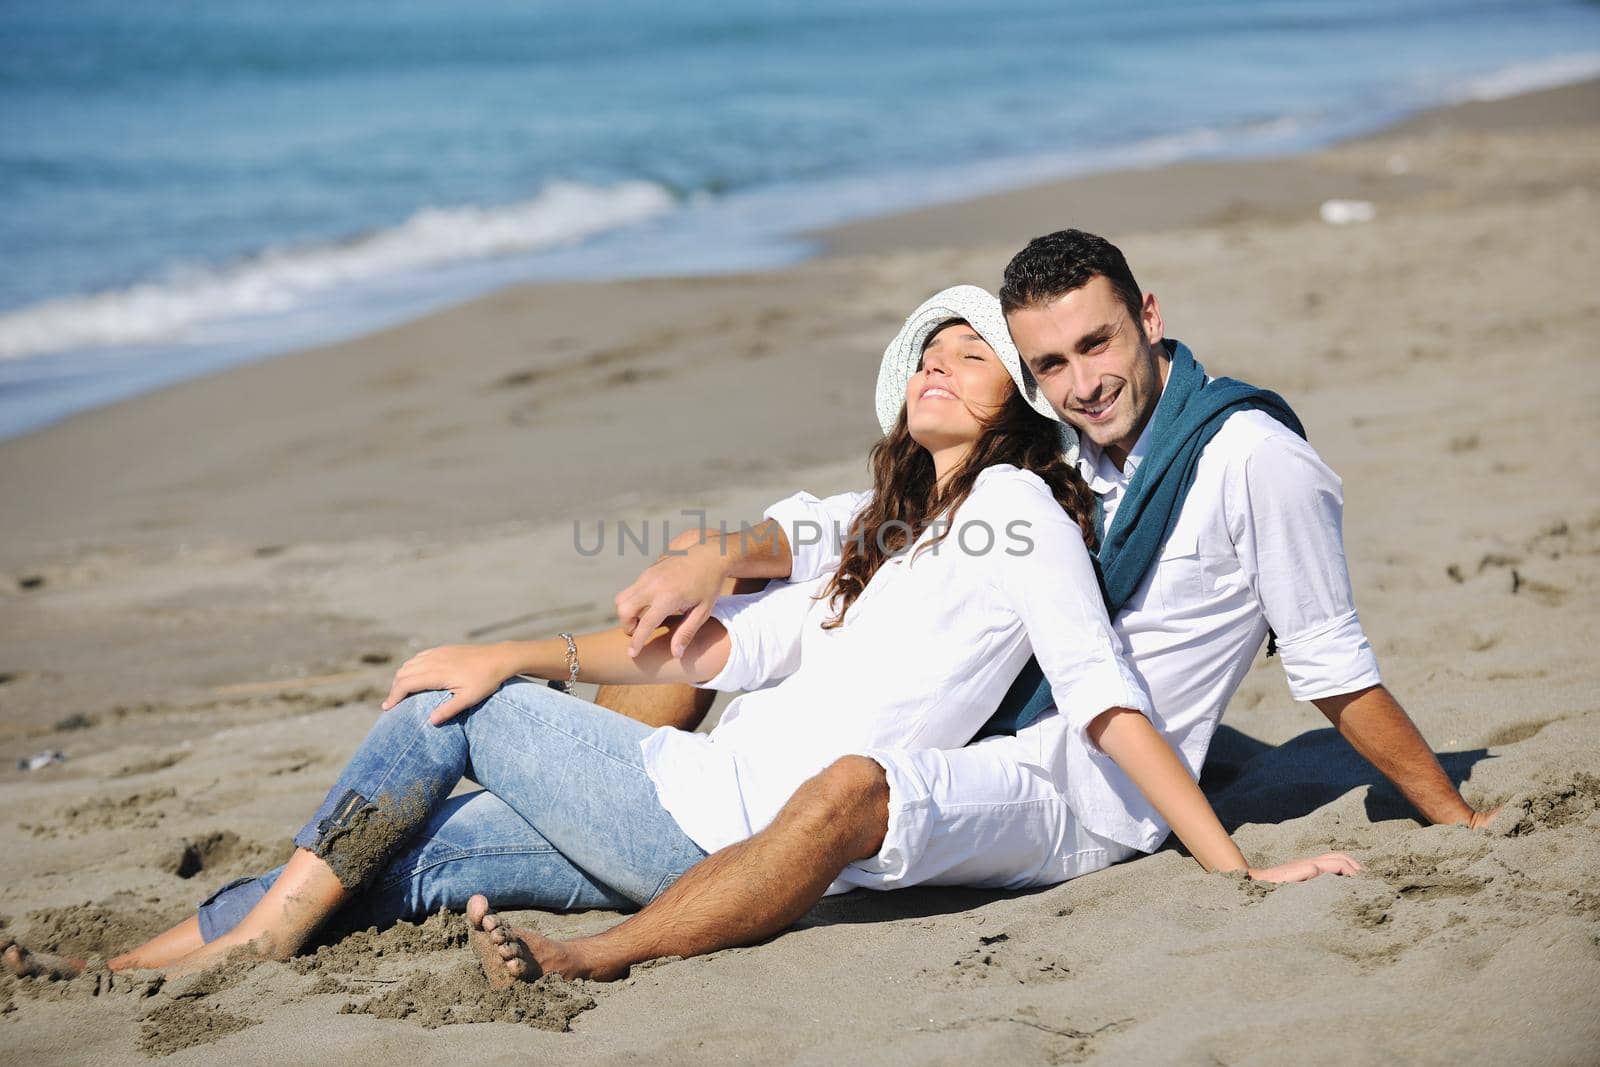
[[959, 385]]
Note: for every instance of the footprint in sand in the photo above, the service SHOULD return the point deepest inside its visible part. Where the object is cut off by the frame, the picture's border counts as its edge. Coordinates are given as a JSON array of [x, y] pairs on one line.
[[221, 853], [998, 956], [94, 929], [1550, 808], [182, 1024], [150, 764], [1515, 733], [296, 760], [136, 811]]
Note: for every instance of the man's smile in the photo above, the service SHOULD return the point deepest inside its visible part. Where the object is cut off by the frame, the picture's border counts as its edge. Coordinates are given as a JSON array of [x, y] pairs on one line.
[[1100, 410]]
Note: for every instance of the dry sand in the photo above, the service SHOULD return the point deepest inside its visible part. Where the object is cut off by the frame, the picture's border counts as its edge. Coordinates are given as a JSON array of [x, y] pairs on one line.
[[203, 592]]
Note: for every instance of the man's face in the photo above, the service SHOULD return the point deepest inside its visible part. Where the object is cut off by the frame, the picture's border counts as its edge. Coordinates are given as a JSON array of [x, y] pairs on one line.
[[1099, 370]]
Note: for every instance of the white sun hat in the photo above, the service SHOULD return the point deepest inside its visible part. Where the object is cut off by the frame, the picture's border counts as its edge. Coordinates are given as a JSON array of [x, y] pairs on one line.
[[981, 309]]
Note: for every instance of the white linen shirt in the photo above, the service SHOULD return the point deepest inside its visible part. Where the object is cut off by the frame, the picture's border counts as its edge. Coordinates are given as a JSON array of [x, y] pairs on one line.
[[921, 661], [1257, 543]]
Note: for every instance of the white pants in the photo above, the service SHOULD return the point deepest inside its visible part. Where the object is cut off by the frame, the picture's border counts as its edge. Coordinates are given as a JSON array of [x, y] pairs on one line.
[[972, 817]]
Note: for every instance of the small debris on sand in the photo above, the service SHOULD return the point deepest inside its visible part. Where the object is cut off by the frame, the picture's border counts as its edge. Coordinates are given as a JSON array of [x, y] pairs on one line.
[[462, 995], [184, 1024]]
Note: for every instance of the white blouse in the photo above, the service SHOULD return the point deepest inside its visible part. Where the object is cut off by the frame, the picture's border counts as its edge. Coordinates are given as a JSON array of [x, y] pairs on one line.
[[1258, 542], [921, 661]]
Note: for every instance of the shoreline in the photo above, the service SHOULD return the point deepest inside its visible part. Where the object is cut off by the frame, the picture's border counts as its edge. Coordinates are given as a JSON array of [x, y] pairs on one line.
[[1137, 200], [577, 354], [205, 590], [1122, 200]]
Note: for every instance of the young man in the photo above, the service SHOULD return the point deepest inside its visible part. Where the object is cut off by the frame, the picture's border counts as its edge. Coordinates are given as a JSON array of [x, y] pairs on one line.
[[1234, 531]]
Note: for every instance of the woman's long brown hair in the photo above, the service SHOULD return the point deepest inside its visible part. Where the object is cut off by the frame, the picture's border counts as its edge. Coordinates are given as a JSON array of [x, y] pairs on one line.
[[904, 500]]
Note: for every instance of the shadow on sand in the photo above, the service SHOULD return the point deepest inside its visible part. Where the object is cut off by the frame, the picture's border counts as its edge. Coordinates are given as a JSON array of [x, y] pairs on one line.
[[1248, 781]]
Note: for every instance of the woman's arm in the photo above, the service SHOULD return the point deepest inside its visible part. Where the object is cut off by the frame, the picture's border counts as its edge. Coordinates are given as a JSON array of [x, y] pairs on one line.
[[603, 656], [472, 672], [1146, 757], [685, 581], [752, 640]]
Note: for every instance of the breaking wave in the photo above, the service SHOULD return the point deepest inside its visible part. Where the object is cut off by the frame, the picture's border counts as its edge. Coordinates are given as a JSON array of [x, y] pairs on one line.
[[279, 279]]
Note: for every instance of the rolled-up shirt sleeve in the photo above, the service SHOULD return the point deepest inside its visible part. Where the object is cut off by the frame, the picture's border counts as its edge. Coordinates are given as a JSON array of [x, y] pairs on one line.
[[1041, 567], [764, 634], [815, 527], [1047, 577], [1285, 510]]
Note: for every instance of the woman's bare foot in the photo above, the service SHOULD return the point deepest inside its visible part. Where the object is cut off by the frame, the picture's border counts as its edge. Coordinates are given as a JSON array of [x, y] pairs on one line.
[[516, 954], [24, 964], [161, 951], [302, 898]]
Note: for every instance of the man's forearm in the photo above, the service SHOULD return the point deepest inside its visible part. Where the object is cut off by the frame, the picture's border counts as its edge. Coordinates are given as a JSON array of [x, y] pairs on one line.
[[1377, 727], [759, 551]]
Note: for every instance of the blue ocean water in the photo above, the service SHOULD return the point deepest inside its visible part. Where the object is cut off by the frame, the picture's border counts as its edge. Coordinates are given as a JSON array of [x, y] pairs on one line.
[[187, 184]]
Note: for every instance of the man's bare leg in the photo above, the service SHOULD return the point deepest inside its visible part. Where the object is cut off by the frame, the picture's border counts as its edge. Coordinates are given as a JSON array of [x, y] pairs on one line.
[[741, 895], [682, 706]]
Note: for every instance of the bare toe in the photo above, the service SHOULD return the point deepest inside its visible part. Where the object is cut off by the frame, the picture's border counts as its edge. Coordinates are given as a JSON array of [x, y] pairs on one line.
[[504, 958], [24, 964]]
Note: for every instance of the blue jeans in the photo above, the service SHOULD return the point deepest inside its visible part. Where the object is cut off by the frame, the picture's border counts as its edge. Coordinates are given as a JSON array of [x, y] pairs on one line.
[[567, 818]]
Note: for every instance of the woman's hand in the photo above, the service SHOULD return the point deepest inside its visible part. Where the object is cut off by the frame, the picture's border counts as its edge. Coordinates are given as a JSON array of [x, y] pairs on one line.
[[1305, 870], [469, 672]]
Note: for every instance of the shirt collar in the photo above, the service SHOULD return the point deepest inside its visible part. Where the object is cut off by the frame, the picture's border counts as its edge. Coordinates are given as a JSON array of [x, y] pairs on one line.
[[1141, 447]]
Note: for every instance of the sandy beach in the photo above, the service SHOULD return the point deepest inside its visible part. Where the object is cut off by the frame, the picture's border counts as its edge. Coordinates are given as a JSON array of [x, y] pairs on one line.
[[204, 592]]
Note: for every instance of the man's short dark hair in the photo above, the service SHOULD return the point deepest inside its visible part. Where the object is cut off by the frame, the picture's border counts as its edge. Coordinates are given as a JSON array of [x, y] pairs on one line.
[[1058, 263]]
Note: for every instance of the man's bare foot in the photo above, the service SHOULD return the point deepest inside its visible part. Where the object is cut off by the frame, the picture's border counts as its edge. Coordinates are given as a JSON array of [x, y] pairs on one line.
[[505, 960], [24, 964], [516, 954]]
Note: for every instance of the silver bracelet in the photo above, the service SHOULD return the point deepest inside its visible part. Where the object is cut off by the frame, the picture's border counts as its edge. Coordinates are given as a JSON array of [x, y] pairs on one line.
[[572, 666]]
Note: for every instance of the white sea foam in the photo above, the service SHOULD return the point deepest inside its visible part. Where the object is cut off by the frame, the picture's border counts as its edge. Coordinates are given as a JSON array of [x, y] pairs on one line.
[[1532, 76], [279, 279]]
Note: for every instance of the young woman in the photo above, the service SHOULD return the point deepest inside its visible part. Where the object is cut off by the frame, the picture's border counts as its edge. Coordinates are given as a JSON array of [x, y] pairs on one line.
[[972, 553]]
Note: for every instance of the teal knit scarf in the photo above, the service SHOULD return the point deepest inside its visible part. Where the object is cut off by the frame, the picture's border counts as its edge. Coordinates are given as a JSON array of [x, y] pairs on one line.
[[1189, 414]]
